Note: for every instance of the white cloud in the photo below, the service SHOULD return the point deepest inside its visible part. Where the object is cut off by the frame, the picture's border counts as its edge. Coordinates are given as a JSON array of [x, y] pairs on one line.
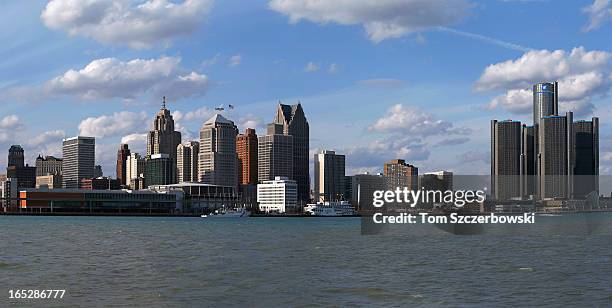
[[333, 68], [117, 124], [599, 13], [414, 122], [235, 60], [9, 126], [375, 154], [135, 23], [251, 121], [311, 67], [46, 137], [111, 78], [211, 61], [582, 75], [382, 19], [136, 142]]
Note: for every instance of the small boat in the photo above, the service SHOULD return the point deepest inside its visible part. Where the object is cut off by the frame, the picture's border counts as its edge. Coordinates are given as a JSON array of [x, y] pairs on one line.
[[232, 213]]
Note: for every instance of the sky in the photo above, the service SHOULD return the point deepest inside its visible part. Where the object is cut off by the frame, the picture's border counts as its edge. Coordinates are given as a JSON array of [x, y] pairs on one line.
[[418, 80]]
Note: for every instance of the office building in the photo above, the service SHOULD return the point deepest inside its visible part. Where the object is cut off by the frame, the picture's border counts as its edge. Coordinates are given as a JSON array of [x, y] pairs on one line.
[[78, 160], [528, 163], [98, 173], [439, 181], [122, 154], [278, 196], [555, 156], [585, 136], [49, 181], [8, 193], [187, 161], [294, 123], [363, 188], [218, 158], [275, 154], [505, 159], [400, 174], [246, 148], [134, 169], [48, 165], [16, 156], [25, 175], [101, 183], [163, 139], [159, 170], [329, 176]]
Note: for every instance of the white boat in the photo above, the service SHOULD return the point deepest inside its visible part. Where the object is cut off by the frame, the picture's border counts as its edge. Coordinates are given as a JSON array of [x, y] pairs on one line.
[[342, 208], [232, 213]]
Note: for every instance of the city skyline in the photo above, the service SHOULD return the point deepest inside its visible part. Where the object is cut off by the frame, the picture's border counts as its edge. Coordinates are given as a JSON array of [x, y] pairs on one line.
[[357, 104]]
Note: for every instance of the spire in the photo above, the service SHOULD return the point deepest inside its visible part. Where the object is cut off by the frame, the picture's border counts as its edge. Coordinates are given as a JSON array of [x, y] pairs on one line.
[[164, 103]]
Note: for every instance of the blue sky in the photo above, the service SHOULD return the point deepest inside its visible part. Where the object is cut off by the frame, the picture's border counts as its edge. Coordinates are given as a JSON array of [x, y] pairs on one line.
[[378, 80]]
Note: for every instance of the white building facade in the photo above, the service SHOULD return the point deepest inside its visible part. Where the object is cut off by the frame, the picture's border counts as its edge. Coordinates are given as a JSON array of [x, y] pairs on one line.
[[277, 196]]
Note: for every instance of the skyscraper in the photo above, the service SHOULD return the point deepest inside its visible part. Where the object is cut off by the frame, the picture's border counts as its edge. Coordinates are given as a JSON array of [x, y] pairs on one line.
[[400, 174], [122, 155], [294, 123], [79, 159], [15, 156], [545, 100], [246, 147], [163, 139], [159, 170], [275, 154], [505, 159], [24, 174], [555, 155], [135, 169], [187, 161], [528, 168], [586, 157], [329, 176], [217, 159], [363, 187]]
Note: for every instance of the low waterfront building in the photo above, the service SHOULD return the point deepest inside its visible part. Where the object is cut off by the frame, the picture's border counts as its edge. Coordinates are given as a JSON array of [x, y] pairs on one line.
[[201, 198], [68, 200], [277, 196]]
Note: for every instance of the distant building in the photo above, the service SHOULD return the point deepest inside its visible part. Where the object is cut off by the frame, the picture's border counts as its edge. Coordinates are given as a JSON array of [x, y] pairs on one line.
[[585, 136], [294, 123], [159, 170], [329, 176], [48, 165], [98, 173], [24, 174], [101, 183], [506, 159], [439, 180], [275, 154], [528, 162], [163, 139], [134, 169], [400, 174], [187, 161], [50, 181], [8, 193], [554, 156], [16, 156], [78, 160], [217, 158], [363, 187], [246, 147], [277, 196], [122, 154]]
